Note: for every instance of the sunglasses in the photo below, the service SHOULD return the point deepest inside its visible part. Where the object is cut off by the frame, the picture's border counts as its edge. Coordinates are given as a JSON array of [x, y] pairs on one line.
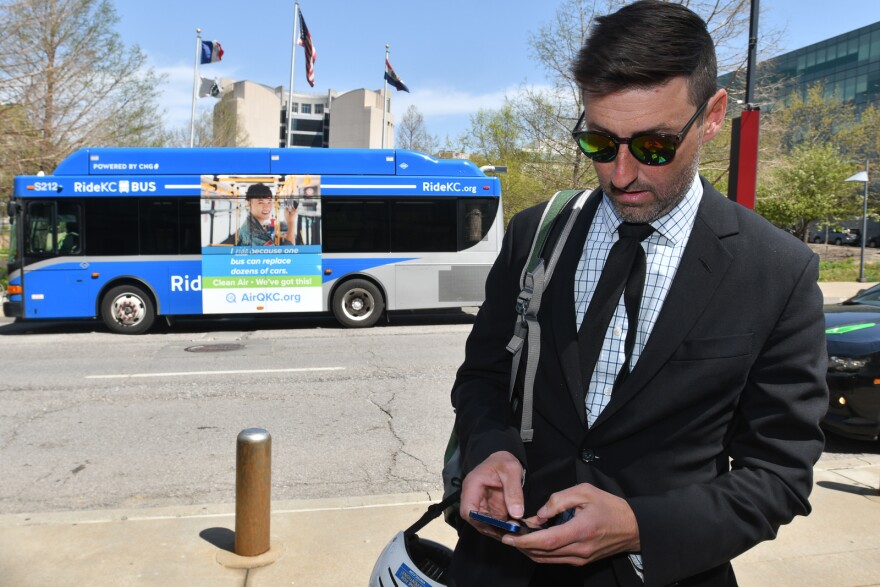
[[648, 148]]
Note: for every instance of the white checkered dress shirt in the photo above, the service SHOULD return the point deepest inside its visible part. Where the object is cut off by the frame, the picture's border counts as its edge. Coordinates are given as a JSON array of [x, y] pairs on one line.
[[663, 250]]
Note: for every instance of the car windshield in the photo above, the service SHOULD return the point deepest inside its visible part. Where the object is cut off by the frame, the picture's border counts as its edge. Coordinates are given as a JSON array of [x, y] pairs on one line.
[[870, 297]]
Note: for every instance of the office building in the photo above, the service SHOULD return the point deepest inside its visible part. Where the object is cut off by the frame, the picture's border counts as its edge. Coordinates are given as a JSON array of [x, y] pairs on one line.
[[350, 119]]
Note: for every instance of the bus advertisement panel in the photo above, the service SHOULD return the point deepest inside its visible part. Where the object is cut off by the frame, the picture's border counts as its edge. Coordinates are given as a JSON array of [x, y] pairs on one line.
[[261, 244]]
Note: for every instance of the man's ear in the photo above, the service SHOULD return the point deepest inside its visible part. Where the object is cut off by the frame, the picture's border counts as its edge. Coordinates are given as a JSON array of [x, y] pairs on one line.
[[715, 116]]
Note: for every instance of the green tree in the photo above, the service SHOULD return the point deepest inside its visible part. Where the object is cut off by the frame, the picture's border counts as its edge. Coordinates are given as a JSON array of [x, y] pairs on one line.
[[496, 139], [861, 141], [808, 187], [826, 131], [70, 82], [811, 120]]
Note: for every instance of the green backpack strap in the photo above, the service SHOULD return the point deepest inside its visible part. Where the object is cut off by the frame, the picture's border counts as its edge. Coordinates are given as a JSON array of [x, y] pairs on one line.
[[556, 204], [534, 279]]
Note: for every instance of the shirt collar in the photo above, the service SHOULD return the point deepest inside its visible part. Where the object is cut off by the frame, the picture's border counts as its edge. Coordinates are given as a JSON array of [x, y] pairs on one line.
[[672, 227]]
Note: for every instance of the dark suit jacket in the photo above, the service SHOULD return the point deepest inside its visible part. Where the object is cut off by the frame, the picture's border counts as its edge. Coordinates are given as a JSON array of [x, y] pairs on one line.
[[711, 439]]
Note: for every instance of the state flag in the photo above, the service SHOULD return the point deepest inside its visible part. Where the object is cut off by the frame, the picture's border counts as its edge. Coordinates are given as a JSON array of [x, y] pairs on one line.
[[392, 78], [211, 52], [209, 87]]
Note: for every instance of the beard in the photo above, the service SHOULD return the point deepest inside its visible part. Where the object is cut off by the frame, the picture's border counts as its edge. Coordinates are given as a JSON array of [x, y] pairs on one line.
[[664, 200]]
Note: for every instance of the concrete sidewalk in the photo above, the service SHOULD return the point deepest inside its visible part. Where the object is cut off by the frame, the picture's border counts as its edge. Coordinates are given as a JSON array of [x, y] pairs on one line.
[[336, 542]]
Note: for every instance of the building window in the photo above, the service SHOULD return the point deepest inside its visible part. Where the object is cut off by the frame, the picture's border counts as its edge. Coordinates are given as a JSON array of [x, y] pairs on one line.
[[319, 109], [307, 109], [308, 125], [309, 140], [875, 44], [295, 107]]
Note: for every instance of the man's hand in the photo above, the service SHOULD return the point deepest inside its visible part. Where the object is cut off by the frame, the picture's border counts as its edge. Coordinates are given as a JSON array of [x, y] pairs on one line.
[[603, 524], [493, 487]]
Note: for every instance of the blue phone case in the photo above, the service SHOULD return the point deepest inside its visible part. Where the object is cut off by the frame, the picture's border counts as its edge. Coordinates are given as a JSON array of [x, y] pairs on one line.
[[487, 519]]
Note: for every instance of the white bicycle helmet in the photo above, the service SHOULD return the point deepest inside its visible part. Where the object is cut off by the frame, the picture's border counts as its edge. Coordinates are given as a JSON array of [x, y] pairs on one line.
[[412, 561]]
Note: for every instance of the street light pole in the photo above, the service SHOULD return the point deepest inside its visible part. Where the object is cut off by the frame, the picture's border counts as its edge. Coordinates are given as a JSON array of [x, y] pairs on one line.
[[863, 176]]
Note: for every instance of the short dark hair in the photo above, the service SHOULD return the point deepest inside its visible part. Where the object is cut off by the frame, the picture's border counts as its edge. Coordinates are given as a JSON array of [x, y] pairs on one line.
[[645, 44], [258, 190]]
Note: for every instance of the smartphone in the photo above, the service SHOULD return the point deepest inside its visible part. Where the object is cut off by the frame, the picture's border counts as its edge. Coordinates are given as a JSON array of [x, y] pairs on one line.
[[507, 526]]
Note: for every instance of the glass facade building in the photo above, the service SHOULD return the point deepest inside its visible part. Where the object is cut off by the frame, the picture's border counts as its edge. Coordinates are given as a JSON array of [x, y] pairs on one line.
[[848, 66]]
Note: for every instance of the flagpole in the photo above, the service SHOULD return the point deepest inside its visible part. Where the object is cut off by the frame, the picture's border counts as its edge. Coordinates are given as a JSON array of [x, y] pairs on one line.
[[384, 95], [192, 120], [292, 62]]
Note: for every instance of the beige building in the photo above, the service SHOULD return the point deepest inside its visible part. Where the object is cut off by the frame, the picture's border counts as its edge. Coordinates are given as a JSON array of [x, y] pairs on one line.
[[350, 120]]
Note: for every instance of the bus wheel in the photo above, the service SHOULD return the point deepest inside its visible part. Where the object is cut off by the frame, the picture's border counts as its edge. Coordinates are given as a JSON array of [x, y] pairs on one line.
[[357, 304], [126, 309]]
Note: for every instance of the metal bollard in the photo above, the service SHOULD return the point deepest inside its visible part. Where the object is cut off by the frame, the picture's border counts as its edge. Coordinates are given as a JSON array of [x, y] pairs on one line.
[[253, 480]]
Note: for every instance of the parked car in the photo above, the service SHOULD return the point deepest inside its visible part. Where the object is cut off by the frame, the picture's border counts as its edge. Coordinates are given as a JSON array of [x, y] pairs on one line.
[[853, 338], [848, 236]]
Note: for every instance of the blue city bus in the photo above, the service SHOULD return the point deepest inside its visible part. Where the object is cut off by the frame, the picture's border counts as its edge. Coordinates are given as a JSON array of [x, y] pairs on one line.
[[129, 235]]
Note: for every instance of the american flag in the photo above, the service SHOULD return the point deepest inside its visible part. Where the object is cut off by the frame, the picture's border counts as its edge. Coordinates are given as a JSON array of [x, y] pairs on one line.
[[305, 41]]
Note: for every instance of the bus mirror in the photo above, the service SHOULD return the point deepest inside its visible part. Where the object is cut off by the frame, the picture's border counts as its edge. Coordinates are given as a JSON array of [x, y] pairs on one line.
[[12, 208], [494, 168]]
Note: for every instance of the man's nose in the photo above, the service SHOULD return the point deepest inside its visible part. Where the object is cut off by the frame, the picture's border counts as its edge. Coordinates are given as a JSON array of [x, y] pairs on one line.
[[626, 168]]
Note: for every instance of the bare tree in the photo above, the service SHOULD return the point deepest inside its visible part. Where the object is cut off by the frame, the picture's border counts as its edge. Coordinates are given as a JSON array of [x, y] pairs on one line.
[[413, 134], [227, 128], [67, 81], [213, 128], [556, 44]]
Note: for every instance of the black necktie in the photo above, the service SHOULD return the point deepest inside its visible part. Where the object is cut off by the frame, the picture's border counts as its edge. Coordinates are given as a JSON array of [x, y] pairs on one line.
[[624, 272]]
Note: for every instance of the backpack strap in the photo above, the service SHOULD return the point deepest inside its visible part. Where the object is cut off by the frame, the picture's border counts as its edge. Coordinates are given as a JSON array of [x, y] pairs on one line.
[[434, 511], [533, 280]]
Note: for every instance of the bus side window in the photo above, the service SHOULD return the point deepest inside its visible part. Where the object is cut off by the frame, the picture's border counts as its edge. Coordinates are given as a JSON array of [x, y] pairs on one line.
[[190, 227], [110, 226], [475, 219], [69, 245], [67, 231], [40, 234]]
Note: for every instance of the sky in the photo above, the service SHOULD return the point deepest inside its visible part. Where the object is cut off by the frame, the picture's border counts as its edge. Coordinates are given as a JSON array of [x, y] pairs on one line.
[[455, 56]]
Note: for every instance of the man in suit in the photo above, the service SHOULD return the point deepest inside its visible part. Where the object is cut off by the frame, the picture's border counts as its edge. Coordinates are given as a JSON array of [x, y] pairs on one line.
[[695, 440]]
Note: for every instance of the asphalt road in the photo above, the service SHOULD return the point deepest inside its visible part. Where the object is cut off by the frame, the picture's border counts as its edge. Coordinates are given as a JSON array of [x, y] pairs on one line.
[[89, 419], [94, 420]]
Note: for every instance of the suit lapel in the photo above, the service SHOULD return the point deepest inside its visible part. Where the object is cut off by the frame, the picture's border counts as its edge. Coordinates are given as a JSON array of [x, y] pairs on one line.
[[703, 266]]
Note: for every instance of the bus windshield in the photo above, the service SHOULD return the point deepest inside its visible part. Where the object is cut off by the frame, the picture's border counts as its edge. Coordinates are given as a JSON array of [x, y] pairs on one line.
[[12, 256]]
